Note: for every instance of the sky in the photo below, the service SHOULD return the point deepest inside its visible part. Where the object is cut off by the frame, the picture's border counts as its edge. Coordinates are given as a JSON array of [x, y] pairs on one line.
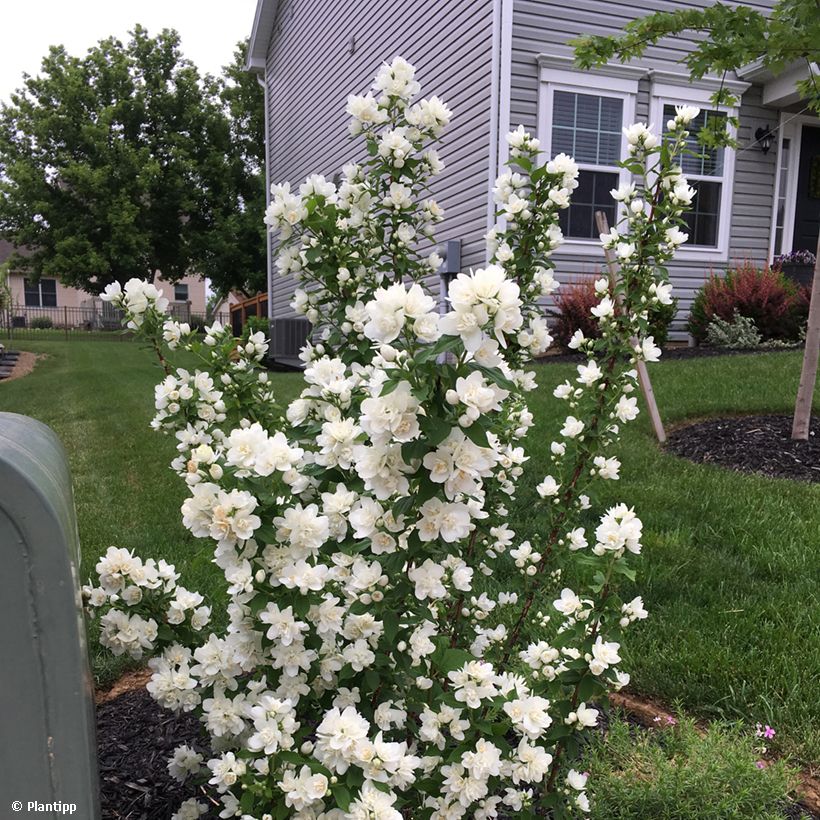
[[209, 29]]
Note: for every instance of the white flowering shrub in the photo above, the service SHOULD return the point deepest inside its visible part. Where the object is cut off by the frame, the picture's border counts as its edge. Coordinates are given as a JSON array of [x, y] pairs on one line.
[[387, 652]]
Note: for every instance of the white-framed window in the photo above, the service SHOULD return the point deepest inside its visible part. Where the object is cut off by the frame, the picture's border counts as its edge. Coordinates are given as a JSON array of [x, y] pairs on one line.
[[711, 173], [583, 115], [180, 292]]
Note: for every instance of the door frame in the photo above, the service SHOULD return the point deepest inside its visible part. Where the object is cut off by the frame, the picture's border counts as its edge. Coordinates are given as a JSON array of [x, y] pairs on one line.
[[791, 128]]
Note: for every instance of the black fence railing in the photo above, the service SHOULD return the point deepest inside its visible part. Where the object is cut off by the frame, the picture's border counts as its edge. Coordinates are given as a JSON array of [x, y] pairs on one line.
[[97, 320]]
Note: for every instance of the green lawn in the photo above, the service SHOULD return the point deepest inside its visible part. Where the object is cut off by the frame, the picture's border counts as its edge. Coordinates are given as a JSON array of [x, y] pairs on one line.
[[732, 562]]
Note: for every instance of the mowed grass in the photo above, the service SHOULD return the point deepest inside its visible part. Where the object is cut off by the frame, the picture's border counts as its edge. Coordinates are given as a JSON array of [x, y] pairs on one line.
[[731, 567]]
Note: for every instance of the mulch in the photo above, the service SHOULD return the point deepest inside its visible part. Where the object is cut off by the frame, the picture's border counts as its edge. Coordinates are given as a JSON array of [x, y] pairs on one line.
[[135, 739], [671, 353], [751, 444]]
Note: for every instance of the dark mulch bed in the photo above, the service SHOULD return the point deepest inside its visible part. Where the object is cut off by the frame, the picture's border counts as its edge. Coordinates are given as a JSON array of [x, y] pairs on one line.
[[135, 738], [751, 444], [672, 354]]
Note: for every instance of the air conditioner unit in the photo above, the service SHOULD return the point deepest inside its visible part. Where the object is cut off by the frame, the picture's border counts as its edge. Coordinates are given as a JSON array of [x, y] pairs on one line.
[[288, 337]]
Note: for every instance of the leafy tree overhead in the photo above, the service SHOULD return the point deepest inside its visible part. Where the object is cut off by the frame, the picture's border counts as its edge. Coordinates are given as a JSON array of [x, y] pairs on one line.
[[237, 250], [119, 164], [735, 35]]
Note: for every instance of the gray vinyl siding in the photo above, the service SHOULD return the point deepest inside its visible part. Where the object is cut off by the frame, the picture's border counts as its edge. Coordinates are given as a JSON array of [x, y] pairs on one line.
[[544, 28], [310, 71]]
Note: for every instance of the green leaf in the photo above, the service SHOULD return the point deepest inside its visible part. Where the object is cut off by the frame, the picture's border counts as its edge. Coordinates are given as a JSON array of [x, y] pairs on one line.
[[389, 386], [412, 450], [402, 506], [476, 434], [495, 376], [435, 430], [341, 794]]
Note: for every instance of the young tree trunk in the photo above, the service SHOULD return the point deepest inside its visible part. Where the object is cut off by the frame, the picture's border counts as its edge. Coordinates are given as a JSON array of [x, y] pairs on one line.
[[808, 376]]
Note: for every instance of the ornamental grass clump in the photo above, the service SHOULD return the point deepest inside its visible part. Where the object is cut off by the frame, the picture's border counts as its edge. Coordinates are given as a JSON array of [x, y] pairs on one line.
[[373, 664]]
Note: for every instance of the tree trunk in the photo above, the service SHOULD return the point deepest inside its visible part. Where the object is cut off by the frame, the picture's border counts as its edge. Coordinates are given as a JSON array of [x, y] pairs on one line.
[[808, 376]]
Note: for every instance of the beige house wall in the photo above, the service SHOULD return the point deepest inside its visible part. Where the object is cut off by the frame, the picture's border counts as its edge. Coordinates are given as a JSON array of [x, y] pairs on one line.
[[74, 297]]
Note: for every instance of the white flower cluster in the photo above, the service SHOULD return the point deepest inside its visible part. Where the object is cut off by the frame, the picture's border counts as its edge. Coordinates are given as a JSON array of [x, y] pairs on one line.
[[136, 299], [127, 583], [368, 669]]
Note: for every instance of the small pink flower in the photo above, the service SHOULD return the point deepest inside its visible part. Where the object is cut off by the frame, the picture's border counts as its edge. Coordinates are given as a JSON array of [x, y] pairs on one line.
[[760, 764], [768, 732], [670, 721]]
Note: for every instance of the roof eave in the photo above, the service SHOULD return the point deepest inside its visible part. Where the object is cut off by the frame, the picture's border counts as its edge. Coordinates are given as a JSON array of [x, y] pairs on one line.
[[263, 20]]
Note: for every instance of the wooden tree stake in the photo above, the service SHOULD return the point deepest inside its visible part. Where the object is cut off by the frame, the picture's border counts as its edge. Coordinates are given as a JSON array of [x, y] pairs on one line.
[[808, 375], [643, 373]]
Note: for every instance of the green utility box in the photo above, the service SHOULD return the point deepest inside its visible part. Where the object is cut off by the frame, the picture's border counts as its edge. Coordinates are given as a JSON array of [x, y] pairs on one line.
[[48, 756]]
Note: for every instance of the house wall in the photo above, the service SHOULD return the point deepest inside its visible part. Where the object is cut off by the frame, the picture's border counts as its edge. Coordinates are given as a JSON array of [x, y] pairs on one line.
[[320, 52], [74, 297], [543, 26]]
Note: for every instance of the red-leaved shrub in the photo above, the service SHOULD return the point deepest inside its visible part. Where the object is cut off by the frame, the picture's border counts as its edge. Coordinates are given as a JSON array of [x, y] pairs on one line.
[[575, 300], [573, 304], [761, 294]]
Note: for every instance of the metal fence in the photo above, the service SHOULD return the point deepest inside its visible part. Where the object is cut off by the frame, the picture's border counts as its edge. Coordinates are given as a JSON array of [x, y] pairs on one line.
[[94, 320]]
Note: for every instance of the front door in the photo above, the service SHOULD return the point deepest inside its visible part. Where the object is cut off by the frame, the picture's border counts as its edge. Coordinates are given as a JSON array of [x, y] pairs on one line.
[[807, 203]]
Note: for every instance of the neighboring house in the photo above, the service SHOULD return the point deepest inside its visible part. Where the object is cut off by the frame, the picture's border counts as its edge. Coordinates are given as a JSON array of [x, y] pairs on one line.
[[187, 296], [225, 303], [503, 62]]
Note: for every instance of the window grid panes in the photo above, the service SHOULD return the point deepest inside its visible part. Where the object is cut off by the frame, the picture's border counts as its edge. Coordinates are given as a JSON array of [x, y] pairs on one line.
[[780, 219], [40, 294], [591, 195], [702, 162], [704, 168], [703, 218], [588, 128]]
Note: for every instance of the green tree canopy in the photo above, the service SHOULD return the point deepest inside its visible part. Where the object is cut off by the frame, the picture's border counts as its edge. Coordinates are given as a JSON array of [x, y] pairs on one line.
[[121, 163], [238, 252], [735, 36]]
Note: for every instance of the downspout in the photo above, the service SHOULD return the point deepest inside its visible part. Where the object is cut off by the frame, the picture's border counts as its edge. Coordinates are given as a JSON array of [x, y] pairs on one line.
[[500, 93], [494, 112], [262, 79]]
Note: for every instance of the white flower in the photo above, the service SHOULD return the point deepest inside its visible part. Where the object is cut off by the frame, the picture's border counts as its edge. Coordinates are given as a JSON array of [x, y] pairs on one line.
[[663, 293], [638, 134], [607, 468], [190, 809], [577, 340], [530, 715], [626, 409], [648, 350], [682, 193], [427, 579], [604, 309], [585, 716], [576, 780], [684, 114], [548, 487], [569, 603], [572, 427], [184, 762], [675, 236], [620, 529], [341, 739], [604, 655], [589, 373], [304, 789], [225, 771]]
